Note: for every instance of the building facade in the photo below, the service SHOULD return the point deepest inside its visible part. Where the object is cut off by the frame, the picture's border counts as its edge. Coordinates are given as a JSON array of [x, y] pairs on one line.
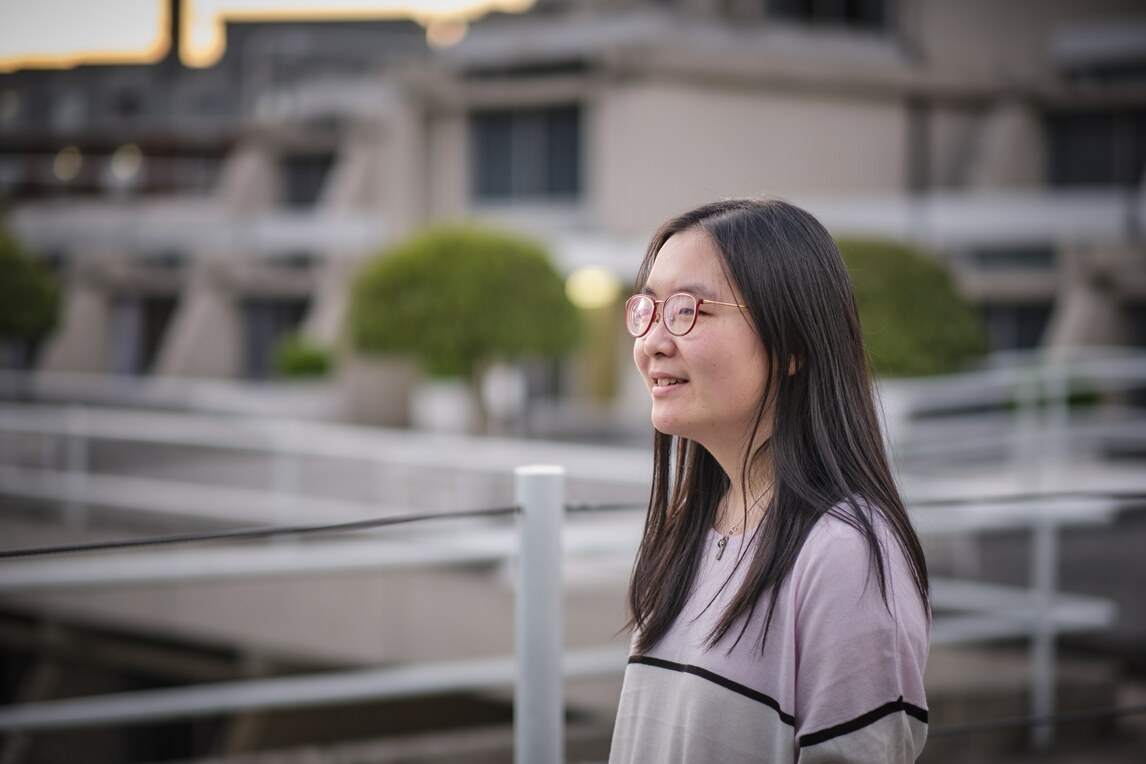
[[198, 215]]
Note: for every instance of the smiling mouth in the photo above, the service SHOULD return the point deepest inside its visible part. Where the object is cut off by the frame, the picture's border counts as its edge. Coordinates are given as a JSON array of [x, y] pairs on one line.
[[668, 382]]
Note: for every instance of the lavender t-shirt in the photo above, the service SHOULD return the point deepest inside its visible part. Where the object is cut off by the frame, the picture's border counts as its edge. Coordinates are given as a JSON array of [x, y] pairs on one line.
[[840, 678]]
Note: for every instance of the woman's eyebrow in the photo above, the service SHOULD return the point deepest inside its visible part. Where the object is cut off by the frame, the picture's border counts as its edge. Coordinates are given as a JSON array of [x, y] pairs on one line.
[[697, 290]]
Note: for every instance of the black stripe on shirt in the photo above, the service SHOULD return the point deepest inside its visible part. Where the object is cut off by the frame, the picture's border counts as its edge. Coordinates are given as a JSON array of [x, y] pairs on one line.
[[895, 706], [724, 682]]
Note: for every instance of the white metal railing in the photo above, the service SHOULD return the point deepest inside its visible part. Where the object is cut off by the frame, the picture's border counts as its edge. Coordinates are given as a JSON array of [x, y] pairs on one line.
[[200, 226], [538, 708], [1022, 412], [950, 219], [536, 669], [989, 611], [980, 611], [407, 469], [944, 219]]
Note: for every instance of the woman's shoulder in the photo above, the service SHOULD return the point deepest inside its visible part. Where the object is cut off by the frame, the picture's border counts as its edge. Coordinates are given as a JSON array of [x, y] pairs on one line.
[[845, 535], [845, 521]]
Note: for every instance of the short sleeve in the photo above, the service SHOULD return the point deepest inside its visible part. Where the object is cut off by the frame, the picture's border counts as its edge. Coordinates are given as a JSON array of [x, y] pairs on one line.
[[859, 659]]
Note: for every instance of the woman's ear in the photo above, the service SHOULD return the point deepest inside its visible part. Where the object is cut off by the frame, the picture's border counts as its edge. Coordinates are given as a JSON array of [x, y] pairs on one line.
[[794, 364]]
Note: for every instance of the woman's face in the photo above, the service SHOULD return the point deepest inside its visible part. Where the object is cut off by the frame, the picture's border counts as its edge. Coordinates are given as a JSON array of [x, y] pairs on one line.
[[705, 385]]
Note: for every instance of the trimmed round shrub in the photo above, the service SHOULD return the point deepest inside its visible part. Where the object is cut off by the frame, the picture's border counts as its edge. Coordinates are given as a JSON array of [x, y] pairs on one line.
[[914, 320], [297, 357], [459, 296], [29, 298]]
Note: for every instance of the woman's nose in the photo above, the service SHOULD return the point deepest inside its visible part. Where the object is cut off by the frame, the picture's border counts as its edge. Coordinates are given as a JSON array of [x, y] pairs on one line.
[[658, 340]]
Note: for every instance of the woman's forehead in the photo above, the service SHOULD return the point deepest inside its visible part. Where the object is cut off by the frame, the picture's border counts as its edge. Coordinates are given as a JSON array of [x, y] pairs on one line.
[[688, 262]]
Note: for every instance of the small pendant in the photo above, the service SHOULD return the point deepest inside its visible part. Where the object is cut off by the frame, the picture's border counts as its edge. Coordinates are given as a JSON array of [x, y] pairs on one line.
[[720, 546]]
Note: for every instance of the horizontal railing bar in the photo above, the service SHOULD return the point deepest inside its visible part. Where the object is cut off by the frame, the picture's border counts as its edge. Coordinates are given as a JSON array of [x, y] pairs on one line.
[[233, 504], [916, 445], [276, 437], [292, 692], [615, 536], [627, 466], [958, 594], [939, 516], [949, 630], [178, 498]]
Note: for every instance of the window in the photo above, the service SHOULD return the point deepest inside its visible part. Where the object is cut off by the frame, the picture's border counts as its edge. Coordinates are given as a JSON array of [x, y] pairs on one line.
[[1134, 319], [303, 176], [139, 324], [860, 14], [1016, 326], [522, 154], [266, 322], [1017, 258], [1101, 148], [127, 104], [69, 110]]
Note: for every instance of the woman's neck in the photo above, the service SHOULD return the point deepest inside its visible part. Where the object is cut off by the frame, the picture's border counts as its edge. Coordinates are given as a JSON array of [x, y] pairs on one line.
[[745, 502]]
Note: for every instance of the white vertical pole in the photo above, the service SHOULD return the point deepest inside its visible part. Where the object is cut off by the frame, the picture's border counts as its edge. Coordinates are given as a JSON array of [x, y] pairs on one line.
[[1044, 580], [1056, 442], [1044, 553], [538, 704], [1028, 448]]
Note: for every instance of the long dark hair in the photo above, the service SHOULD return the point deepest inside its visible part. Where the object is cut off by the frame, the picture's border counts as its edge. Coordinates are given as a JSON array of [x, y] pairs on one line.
[[826, 449]]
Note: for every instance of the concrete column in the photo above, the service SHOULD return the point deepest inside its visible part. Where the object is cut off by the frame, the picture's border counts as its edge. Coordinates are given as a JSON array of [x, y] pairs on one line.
[[354, 183], [448, 164], [205, 337], [81, 343], [406, 165], [1009, 149], [249, 179], [325, 322], [1086, 310]]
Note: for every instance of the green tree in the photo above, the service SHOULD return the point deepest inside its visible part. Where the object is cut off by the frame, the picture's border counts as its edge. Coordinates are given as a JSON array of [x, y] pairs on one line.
[[459, 296], [915, 322], [29, 299]]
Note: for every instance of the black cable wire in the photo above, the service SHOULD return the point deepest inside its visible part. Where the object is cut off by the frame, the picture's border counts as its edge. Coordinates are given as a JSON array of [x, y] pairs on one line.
[[256, 533], [286, 530], [993, 725], [1129, 498]]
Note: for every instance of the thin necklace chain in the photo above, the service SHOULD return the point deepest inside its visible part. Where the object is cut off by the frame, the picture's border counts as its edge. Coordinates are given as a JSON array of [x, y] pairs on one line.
[[723, 542]]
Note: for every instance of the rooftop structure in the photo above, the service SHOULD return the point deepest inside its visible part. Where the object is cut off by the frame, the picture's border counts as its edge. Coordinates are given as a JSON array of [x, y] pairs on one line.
[[198, 215]]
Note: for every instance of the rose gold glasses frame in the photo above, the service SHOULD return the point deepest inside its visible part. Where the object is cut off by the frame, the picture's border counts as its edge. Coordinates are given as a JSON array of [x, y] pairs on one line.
[[657, 311]]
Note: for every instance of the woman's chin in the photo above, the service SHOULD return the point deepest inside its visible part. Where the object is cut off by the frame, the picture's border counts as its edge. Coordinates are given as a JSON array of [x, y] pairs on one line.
[[670, 425]]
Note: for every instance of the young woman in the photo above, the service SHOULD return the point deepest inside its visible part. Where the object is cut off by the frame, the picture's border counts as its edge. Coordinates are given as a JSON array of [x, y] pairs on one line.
[[780, 598]]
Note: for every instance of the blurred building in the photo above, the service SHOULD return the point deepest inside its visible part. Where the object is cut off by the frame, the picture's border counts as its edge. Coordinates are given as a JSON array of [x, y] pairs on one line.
[[198, 215]]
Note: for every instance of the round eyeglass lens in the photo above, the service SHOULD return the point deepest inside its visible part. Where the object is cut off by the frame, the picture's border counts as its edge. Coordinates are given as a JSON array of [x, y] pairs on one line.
[[639, 314], [679, 313]]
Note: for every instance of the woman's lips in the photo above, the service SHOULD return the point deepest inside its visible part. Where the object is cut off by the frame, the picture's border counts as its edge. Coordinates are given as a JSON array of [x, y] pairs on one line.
[[663, 386]]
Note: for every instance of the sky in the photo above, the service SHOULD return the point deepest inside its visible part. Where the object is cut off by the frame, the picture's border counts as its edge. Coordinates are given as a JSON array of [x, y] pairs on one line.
[[63, 33]]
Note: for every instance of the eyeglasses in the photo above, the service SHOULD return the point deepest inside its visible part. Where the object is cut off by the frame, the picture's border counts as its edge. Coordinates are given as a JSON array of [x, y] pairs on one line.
[[678, 312]]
